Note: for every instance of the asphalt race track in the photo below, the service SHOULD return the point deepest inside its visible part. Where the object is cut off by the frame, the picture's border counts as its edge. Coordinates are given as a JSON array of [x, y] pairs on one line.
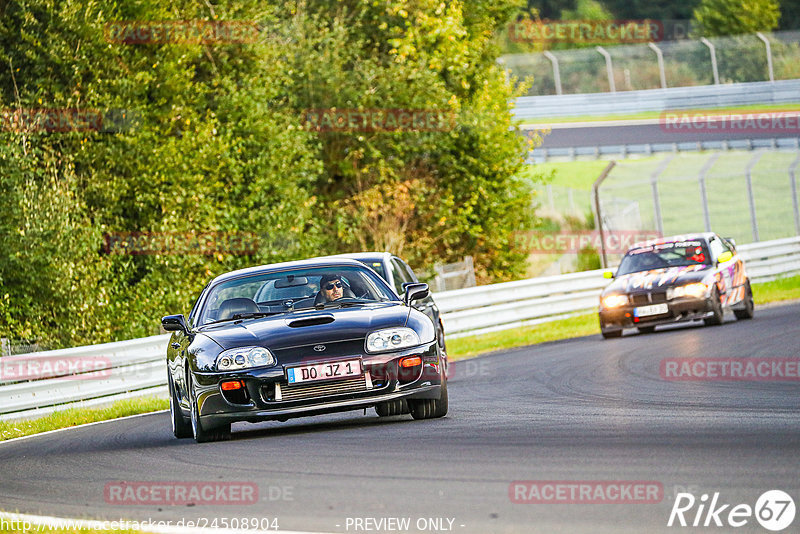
[[577, 410], [647, 131]]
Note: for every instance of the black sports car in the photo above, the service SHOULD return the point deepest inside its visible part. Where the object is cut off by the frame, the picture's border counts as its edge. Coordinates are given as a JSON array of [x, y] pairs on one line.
[[673, 279], [301, 338]]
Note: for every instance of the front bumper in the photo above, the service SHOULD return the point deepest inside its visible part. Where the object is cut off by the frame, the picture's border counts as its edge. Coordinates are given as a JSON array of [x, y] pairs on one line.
[[678, 310], [268, 396]]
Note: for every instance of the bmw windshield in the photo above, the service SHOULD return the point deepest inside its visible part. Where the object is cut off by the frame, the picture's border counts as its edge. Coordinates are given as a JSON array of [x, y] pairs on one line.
[[664, 256]]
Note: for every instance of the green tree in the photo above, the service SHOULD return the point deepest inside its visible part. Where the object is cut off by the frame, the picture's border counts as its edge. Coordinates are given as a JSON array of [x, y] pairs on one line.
[[736, 17]]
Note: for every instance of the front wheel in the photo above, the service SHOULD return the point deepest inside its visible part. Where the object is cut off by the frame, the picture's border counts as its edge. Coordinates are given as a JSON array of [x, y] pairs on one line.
[[749, 306], [204, 435], [716, 309], [430, 408], [181, 428]]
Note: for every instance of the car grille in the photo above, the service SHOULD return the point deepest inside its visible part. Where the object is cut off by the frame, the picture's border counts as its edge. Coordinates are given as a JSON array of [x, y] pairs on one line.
[[656, 297], [322, 389]]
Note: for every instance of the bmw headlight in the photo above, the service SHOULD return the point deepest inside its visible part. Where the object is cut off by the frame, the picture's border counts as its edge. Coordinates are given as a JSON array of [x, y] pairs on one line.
[[697, 290], [615, 301], [392, 339], [244, 358]]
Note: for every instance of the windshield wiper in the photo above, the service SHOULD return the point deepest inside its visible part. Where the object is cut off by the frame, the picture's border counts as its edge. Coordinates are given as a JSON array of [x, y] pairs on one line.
[[246, 315], [340, 304]]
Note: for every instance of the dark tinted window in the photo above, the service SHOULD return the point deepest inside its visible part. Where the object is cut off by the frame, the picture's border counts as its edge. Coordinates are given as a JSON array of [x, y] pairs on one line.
[[665, 255]]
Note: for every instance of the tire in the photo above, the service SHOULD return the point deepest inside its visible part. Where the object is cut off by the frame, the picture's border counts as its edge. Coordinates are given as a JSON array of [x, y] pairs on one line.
[[181, 428], [646, 329], [392, 408], [716, 307], [430, 408], [749, 306], [607, 334], [204, 435]]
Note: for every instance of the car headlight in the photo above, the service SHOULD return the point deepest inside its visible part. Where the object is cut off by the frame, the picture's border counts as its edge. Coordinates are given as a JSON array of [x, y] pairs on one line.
[[244, 358], [392, 339], [697, 290], [615, 301]]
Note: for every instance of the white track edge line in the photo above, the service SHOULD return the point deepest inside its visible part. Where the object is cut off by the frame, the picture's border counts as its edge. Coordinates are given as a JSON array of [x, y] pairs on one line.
[[78, 426]]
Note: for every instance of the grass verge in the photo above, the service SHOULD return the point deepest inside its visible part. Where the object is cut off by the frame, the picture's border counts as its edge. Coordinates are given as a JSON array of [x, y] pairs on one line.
[[80, 416], [587, 324]]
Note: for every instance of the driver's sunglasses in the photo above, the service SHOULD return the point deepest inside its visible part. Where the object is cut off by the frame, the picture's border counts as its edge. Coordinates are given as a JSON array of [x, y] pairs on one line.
[[337, 285]]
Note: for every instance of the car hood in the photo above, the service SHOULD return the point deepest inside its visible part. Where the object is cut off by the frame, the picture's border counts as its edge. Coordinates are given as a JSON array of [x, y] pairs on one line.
[[658, 278], [306, 327]]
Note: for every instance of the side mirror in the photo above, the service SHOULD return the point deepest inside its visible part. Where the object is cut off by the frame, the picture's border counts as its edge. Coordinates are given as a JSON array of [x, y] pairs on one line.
[[175, 323], [731, 241], [725, 256], [608, 274], [415, 292]]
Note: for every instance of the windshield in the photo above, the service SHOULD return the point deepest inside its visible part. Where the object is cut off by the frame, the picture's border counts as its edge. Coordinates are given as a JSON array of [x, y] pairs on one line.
[[663, 256], [291, 290]]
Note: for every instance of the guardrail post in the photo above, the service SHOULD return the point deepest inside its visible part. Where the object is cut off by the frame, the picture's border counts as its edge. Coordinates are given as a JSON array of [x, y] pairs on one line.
[[654, 185], [792, 168], [769, 55], [750, 199], [703, 194], [556, 72], [609, 68], [713, 51], [598, 215], [660, 58]]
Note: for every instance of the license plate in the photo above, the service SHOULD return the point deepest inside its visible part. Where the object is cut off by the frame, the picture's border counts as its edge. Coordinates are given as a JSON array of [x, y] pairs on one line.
[[654, 309], [324, 371]]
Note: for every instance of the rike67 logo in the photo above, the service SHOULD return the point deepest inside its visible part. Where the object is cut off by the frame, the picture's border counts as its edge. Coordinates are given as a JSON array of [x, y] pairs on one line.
[[774, 510]]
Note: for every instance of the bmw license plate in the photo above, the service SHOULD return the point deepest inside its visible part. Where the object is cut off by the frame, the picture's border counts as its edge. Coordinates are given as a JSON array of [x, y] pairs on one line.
[[324, 371], [654, 309]]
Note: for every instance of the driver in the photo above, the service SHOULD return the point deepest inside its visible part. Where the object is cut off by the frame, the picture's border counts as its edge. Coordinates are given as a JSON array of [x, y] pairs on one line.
[[332, 287]]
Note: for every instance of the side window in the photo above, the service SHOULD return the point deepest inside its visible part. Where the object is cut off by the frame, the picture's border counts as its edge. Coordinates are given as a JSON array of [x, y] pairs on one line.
[[411, 276], [400, 276], [716, 248]]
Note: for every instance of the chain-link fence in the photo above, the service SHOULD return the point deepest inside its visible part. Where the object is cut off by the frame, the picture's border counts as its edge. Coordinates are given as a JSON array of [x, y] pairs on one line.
[[750, 196], [744, 58]]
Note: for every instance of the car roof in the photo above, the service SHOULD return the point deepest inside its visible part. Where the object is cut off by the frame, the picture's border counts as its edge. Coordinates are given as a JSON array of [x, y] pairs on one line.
[[325, 261], [702, 236], [365, 256]]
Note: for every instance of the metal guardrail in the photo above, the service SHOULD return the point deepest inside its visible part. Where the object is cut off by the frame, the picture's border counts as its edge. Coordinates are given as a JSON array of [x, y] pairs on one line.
[[626, 102], [136, 367]]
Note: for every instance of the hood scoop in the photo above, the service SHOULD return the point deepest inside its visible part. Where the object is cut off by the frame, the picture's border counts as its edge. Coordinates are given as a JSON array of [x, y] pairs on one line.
[[311, 321]]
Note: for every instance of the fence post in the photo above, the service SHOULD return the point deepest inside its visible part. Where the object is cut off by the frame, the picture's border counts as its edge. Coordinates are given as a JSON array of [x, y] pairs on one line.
[[654, 185], [609, 68], [749, 178], [792, 168], [598, 215], [556, 71], [713, 51], [5, 347], [660, 58], [703, 194], [769, 55]]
